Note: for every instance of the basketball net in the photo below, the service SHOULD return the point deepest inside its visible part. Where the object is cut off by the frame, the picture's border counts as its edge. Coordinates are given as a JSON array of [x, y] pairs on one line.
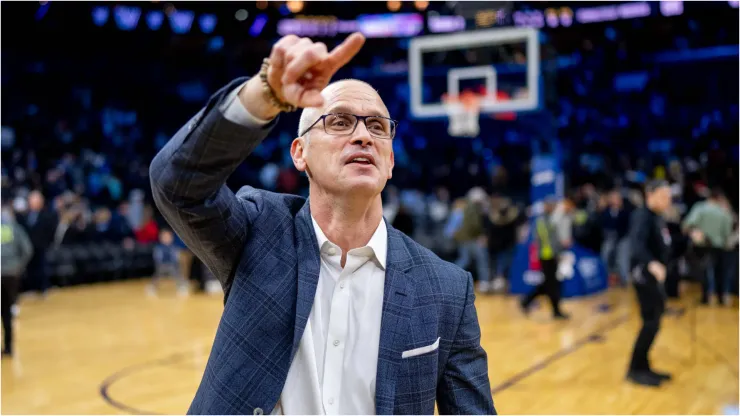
[[463, 112]]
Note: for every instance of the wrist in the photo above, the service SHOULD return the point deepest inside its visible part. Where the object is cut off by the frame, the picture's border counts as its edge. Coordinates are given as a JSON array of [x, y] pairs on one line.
[[256, 102]]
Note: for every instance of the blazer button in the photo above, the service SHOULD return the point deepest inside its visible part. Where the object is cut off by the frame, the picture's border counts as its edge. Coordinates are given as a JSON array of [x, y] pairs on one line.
[[258, 411]]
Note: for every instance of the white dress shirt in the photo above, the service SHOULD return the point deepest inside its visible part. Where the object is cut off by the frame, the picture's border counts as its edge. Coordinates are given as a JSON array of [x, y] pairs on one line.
[[335, 367], [336, 363]]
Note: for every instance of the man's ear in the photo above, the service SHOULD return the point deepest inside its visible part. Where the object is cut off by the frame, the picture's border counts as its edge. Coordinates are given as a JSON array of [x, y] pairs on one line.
[[391, 165], [298, 153]]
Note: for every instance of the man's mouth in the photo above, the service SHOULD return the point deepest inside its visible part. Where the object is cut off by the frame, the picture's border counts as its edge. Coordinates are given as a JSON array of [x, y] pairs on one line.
[[361, 159]]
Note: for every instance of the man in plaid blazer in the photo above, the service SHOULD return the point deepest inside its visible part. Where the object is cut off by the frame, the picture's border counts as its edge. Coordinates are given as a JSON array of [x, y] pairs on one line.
[[328, 309]]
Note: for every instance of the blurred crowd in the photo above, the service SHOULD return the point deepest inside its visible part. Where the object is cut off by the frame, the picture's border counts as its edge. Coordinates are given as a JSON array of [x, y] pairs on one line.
[[78, 134], [481, 231]]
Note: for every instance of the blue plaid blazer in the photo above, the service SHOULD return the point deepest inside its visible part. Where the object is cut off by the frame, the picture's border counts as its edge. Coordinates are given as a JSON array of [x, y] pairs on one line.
[[261, 246]]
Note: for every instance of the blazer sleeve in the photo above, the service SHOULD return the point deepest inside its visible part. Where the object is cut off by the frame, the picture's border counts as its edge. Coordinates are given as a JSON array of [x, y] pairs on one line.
[[188, 179], [465, 388]]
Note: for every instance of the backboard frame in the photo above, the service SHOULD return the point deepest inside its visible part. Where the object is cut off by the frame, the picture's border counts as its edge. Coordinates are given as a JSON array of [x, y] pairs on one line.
[[471, 39], [486, 72]]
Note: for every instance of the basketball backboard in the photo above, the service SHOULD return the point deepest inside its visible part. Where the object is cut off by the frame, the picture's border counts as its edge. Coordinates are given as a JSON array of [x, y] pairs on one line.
[[421, 74]]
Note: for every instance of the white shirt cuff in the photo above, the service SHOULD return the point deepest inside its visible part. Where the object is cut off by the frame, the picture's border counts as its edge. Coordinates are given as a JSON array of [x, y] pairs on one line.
[[234, 111]]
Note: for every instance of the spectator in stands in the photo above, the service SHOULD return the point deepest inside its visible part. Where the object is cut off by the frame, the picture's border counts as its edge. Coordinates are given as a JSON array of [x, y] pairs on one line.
[[710, 225], [615, 220], [167, 263], [471, 238], [438, 207], [16, 251], [40, 224], [119, 222], [148, 232], [73, 226], [135, 211], [100, 229]]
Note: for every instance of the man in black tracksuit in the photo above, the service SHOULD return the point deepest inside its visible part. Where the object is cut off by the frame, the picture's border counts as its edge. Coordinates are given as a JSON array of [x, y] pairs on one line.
[[650, 243]]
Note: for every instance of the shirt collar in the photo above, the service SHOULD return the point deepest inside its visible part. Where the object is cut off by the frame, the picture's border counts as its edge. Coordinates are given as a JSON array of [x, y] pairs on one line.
[[378, 242]]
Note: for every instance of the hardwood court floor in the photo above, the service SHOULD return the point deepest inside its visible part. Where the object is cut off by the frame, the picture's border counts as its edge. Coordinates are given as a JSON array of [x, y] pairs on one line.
[[110, 349]]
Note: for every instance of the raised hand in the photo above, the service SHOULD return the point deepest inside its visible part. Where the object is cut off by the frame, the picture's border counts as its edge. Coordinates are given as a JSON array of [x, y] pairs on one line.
[[300, 69]]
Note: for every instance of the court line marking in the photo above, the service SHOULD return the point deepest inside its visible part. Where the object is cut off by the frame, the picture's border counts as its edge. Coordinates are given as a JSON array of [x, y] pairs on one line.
[[542, 364], [108, 382]]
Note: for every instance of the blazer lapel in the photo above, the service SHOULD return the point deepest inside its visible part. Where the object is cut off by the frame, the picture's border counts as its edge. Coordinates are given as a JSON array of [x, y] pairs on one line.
[[395, 322], [309, 265]]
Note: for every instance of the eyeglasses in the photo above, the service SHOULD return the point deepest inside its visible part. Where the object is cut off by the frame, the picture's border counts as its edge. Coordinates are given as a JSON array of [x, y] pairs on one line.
[[339, 124]]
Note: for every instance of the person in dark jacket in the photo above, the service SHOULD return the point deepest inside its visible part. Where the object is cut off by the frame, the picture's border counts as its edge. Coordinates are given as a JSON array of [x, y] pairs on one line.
[[502, 224], [16, 251], [40, 224], [650, 242]]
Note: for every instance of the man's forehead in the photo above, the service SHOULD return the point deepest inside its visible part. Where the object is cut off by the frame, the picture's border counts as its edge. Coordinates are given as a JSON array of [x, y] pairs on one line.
[[355, 96]]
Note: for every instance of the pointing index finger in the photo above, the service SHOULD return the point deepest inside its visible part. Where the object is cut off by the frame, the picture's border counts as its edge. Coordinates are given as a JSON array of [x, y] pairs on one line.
[[346, 50]]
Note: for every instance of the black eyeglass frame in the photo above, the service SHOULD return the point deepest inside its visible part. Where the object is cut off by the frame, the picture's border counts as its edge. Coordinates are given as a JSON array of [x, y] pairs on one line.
[[359, 118]]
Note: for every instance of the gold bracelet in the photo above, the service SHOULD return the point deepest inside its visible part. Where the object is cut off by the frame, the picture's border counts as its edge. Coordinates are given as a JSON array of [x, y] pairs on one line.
[[270, 93]]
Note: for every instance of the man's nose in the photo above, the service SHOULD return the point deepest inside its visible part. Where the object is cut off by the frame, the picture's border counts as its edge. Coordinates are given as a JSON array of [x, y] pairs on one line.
[[361, 135]]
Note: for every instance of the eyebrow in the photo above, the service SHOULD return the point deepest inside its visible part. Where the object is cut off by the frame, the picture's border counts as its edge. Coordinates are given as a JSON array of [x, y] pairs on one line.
[[341, 108]]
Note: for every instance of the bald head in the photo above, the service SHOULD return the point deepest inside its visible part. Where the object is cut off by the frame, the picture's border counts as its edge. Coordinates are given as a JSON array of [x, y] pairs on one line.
[[342, 90]]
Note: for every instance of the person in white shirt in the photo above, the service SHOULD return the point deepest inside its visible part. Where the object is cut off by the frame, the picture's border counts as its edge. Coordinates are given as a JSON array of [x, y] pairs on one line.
[[328, 309]]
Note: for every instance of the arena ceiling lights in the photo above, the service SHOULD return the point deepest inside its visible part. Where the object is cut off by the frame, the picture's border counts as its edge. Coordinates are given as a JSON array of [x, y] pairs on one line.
[[128, 18]]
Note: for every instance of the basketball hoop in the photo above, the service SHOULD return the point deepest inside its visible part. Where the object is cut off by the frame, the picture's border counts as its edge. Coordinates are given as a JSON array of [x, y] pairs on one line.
[[463, 112]]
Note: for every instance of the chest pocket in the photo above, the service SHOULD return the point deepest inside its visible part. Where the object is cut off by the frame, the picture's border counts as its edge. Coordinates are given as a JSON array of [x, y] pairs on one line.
[[420, 366]]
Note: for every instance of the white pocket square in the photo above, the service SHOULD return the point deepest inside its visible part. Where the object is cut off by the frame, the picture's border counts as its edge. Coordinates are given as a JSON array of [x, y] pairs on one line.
[[420, 350]]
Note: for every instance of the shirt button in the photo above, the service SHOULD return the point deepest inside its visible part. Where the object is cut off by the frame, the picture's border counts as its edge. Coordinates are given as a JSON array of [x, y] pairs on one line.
[[336, 342], [331, 251], [341, 285], [331, 400]]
